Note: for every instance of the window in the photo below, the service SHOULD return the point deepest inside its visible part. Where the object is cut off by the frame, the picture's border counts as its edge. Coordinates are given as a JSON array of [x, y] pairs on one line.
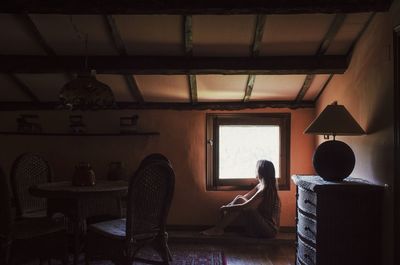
[[236, 141]]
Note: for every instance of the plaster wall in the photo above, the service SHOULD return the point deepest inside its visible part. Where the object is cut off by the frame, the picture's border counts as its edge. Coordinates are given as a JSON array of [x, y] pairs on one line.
[[181, 139], [366, 90]]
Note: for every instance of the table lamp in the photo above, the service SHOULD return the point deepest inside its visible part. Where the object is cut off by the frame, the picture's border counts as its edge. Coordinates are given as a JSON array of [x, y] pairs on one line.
[[334, 160]]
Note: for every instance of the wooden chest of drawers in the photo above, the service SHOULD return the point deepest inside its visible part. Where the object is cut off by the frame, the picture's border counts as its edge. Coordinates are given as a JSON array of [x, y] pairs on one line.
[[338, 223]]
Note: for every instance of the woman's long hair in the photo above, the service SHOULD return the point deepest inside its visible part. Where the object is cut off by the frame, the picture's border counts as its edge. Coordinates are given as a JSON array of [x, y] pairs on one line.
[[271, 205]]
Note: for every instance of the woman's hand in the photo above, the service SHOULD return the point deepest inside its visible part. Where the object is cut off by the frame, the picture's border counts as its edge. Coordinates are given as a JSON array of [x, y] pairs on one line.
[[224, 209]]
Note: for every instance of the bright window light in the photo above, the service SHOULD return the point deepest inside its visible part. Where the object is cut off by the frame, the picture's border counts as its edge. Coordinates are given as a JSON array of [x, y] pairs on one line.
[[241, 146]]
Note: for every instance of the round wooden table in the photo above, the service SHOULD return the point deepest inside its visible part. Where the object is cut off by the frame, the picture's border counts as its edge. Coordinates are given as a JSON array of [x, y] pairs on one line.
[[78, 203]]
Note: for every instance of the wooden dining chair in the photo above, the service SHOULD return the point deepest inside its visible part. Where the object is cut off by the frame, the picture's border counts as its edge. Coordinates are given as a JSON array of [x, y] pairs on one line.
[[149, 198], [154, 156], [31, 238], [27, 170]]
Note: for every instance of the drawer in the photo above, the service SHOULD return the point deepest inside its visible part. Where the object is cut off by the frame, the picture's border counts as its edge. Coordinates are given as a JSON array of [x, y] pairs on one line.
[[298, 262], [305, 253], [307, 201], [307, 227]]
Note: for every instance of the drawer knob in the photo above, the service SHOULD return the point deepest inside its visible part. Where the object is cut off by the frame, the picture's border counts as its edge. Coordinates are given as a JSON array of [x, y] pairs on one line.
[[308, 257], [308, 229], [307, 201]]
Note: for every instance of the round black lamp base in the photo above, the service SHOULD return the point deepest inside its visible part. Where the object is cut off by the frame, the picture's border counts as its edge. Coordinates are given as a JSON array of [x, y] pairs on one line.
[[334, 160]]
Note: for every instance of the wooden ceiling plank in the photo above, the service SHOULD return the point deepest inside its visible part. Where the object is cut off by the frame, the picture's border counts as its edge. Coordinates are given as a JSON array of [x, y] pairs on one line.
[[255, 50], [120, 46], [188, 39], [193, 7], [12, 106], [175, 65], [327, 40], [24, 88]]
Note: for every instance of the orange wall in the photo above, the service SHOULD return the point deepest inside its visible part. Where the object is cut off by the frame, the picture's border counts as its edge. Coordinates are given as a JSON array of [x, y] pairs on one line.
[[182, 139], [366, 90]]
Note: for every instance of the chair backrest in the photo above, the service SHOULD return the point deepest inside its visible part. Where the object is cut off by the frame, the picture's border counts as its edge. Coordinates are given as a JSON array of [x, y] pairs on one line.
[[5, 209], [154, 157], [27, 170], [149, 198]]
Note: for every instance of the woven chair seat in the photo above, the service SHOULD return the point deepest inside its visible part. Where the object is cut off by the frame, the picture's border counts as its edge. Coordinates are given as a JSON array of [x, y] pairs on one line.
[[35, 214], [113, 228], [34, 227], [117, 229]]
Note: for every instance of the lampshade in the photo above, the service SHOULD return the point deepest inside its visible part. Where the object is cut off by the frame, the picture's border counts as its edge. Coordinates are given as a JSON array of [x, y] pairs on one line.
[[334, 160], [335, 120], [86, 92]]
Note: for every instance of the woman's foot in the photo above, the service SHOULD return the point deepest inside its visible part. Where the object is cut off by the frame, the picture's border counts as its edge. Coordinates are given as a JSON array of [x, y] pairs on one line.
[[213, 231]]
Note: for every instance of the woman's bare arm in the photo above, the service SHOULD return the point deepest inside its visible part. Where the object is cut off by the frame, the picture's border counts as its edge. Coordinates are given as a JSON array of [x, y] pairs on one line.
[[255, 195]]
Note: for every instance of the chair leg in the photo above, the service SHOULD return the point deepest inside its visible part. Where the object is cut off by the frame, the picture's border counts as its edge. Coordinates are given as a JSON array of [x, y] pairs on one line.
[[65, 260], [5, 253], [87, 259], [161, 246]]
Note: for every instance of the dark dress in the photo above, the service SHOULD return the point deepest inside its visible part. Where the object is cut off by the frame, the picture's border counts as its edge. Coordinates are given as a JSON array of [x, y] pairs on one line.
[[263, 221]]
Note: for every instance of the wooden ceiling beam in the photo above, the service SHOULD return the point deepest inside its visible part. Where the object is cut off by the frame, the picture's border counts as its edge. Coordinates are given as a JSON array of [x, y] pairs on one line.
[[120, 47], [24, 88], [359, 35], [331, 33], [31, 26], [188, 39], [304, 88], [12, 106], [175, 65], [188, 35], [134, 88], [324, 87], [193, 7], [325, 43], [255, 50], [115, 35]]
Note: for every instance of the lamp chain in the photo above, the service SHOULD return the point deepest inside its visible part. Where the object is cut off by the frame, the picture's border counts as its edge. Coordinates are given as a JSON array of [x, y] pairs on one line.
[[82, 37]]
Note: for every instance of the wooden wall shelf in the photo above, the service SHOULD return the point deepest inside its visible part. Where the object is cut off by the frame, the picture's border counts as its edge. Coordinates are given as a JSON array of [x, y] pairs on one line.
[[82, 134]]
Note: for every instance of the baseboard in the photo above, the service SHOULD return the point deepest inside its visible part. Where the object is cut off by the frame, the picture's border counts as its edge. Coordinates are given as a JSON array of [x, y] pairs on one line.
[[282, 229]]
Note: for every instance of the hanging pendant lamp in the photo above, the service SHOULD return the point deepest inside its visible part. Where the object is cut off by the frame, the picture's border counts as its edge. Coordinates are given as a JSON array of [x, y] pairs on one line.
[[85, 92]]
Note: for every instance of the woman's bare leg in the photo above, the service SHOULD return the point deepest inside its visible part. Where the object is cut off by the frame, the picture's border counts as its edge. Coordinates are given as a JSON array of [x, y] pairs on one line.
[[225, 220], [219, 228]]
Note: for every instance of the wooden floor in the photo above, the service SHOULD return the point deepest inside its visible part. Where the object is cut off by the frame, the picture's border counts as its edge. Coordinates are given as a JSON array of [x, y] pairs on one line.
[[259, 254], [242, 250], [238, 250]]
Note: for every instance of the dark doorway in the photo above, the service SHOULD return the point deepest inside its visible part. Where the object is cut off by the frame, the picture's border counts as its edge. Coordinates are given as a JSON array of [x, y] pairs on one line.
[[396, 50]]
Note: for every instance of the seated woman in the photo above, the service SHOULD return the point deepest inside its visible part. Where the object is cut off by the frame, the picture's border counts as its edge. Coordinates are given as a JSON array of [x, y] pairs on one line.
[[260, 207]]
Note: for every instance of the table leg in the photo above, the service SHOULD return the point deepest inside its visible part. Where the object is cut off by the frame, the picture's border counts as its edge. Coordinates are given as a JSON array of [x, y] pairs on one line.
[[76, 241]]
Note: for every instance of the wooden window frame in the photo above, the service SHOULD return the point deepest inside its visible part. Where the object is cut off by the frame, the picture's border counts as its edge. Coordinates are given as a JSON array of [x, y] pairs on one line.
[[213, 120]]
